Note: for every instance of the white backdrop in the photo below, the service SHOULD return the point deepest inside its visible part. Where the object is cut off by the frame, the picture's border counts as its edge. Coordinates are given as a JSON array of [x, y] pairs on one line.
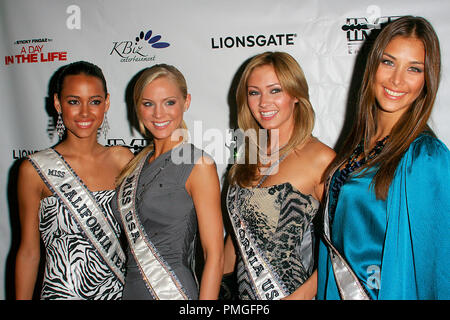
[[208, 41]]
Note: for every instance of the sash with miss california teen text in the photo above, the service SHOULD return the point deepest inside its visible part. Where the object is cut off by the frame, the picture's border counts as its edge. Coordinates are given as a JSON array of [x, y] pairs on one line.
[[156, 273], [82, 206]]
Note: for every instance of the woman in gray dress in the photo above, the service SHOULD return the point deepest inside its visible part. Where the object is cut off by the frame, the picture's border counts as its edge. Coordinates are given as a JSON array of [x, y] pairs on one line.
[[169, 192]]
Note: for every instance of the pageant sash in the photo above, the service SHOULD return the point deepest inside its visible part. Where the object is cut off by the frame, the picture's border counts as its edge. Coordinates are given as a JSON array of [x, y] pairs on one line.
[[81, 204], [349, 286], [156, 273], [263, 279]]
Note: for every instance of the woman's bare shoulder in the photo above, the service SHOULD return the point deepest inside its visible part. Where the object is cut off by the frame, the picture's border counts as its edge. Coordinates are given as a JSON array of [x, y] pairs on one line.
[[120, 155], [27, 170], [317, 152], [29, 179]]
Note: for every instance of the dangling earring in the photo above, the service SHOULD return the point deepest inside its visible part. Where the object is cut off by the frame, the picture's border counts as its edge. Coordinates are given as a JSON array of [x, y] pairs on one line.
[[105, 125], [60, 128]]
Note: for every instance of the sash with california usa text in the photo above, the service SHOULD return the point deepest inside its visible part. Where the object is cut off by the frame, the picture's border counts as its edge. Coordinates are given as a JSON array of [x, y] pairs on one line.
[[263, 279], [82, 206], [160, 280]]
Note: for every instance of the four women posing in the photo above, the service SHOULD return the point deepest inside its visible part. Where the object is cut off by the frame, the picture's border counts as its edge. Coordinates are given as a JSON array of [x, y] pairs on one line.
[[384, 230]]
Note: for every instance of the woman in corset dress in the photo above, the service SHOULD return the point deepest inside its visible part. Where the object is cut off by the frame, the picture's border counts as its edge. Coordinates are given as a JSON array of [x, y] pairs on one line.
[[176, 197], [73, 269], [388, 194], [273, 200]]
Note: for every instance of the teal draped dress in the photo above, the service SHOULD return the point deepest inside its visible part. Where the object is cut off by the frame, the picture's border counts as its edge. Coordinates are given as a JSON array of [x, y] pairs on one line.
[[399, 247]]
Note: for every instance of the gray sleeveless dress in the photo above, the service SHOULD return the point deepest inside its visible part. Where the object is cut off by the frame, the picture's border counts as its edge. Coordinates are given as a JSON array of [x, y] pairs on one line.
[[168, 216]]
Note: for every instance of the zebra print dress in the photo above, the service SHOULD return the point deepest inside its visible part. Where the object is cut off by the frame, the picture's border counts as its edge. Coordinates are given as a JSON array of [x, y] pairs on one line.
[[279, 219], [73, 269]]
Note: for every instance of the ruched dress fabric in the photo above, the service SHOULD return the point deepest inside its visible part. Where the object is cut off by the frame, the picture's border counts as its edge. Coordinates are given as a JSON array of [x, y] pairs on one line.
[[279, 219], [74, 270], [168, 216], [398, 248]]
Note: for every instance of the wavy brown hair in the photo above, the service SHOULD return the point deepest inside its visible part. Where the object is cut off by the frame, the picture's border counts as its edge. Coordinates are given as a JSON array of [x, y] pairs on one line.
[[292, 81], [412, 123]]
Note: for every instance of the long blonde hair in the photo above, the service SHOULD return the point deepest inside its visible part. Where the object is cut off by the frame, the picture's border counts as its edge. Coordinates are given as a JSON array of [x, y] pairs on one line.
[[412, 123], [147, 76], [292, 81]]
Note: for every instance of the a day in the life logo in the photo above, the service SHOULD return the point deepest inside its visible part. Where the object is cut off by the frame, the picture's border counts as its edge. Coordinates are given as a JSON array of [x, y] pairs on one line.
[[34, 51]]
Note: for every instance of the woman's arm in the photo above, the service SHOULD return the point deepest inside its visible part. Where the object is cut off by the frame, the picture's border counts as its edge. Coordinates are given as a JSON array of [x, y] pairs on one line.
[[30, 188], [229, 256], [121, 156], [322, 157], [307, 291], [418, 225], [204, 187]]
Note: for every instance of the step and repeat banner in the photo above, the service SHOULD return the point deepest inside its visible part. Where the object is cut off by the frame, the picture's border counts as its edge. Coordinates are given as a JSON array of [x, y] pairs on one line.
[[208, 41]]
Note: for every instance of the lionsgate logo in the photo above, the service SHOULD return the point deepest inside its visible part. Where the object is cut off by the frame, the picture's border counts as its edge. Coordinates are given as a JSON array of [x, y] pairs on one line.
[[228, 42], [358, 30], [138, 49]]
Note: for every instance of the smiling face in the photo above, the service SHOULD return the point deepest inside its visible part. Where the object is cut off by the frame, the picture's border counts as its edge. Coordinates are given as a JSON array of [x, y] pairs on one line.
[[270, 105], [400, 79], [83, 103], [161, 107]]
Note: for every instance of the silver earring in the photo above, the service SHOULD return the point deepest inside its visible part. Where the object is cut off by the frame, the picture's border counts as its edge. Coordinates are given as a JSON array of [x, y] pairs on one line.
[[60, 128], [105, 126]]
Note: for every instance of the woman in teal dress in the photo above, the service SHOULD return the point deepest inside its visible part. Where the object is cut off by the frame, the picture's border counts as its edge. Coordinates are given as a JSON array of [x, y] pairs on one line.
[[388, 203]]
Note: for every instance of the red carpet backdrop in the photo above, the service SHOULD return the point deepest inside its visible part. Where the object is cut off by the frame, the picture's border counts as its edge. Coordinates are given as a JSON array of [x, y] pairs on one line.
[[208, 41]]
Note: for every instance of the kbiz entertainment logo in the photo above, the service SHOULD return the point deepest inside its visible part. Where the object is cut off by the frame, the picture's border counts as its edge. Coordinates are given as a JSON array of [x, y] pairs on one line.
[[137, 50]]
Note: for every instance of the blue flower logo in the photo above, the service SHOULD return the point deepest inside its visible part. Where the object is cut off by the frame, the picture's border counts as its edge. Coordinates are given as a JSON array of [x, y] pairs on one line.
[[153, 41]]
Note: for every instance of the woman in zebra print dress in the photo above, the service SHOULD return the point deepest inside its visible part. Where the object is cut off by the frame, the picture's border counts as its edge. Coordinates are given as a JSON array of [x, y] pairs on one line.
[[74, 268], [272, 201]]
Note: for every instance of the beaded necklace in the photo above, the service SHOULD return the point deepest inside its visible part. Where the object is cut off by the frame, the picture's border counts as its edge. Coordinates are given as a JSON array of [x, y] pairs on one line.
[[352, 165], [265, 158]]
